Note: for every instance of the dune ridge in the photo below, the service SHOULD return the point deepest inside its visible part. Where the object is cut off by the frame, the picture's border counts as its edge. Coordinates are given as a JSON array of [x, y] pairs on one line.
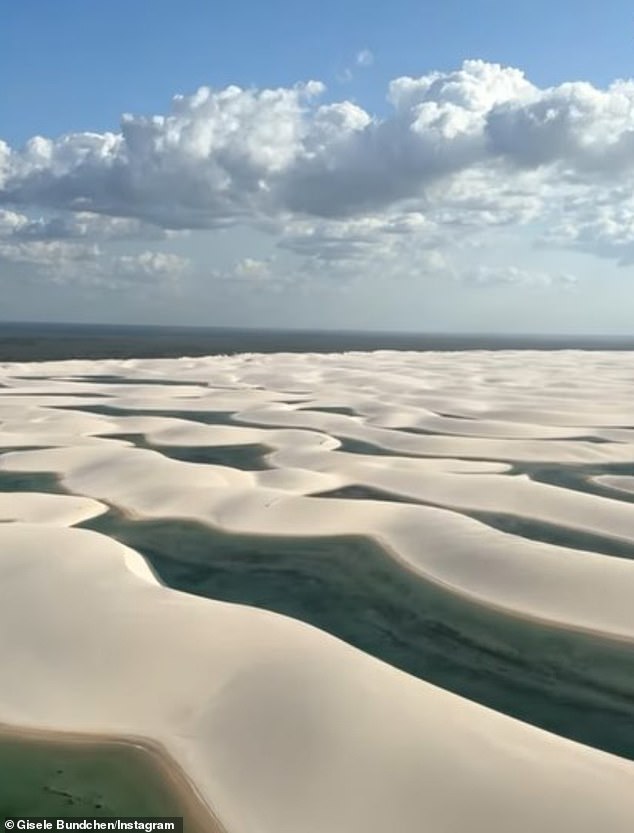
[[281, 727]]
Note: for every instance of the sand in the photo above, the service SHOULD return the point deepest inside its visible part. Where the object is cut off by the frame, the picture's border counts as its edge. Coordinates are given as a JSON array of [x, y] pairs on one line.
[[280, 727]]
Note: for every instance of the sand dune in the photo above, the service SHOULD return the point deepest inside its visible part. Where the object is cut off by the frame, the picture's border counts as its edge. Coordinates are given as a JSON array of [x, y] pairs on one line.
[[620, 484], [565, 586], [281, 727], [61, 510]]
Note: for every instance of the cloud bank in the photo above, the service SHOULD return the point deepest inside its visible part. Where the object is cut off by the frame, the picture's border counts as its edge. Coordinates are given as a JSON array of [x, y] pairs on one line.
[[457, 152]]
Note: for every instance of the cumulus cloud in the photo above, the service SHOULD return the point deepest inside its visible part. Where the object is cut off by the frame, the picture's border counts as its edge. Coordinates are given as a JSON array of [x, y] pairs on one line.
[[210, 160], [457, 152], [220, 156]]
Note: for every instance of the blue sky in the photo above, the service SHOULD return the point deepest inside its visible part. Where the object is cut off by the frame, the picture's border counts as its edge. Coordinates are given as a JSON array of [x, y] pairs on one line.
[[76, 65], [473, 200]]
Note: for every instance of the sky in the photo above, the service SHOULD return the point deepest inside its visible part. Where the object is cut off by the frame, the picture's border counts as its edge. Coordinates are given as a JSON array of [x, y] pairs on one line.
[[417, 166]]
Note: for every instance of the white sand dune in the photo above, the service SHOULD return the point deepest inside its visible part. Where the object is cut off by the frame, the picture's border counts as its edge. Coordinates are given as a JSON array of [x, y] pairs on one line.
[[61, 510], [619, 484], [282, 728], [564, 586]]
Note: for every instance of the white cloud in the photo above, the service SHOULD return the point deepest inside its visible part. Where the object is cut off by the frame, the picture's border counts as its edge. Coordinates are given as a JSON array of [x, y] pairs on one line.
[[80, 225], [366, 238], [459, 153], [514, 276], [252, 269], [364, 58], [229, 155], [87, 264], [11, 222], [211, 159], [53, 256], [598, 221], [153, 266], [261, 275], [345, 76]]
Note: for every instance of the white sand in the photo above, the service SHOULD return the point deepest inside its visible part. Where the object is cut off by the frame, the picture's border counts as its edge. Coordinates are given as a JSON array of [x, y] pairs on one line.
[[566, 586], [623, 483], [282, 728], [61, 510]]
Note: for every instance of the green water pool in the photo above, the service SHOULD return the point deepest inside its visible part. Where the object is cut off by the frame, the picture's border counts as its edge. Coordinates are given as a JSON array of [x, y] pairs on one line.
[[42, 777]]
